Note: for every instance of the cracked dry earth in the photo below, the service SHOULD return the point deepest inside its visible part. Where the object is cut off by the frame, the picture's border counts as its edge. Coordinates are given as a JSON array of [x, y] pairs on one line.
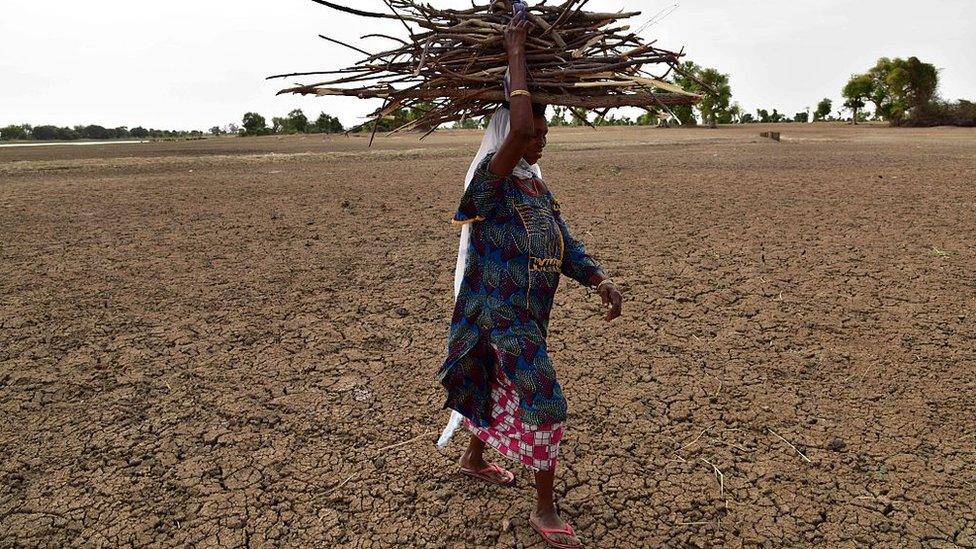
[[202, 343]]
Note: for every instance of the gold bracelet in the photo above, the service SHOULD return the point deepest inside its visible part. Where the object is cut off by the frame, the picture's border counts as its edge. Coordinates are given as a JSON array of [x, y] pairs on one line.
[[516, 93]]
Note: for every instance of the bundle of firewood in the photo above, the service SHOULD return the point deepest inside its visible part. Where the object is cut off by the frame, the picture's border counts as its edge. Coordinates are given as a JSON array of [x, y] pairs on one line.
[[453, 64]]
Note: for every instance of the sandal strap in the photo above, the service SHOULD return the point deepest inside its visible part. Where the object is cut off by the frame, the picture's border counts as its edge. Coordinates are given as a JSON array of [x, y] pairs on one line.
[[496, 468], [490, 468], [568, 530]]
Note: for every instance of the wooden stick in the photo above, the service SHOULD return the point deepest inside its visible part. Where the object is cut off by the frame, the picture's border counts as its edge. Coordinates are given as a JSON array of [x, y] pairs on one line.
[[578, 59], [696, 439], [404, 443], [341, 484], [719, 475], [775, 434]]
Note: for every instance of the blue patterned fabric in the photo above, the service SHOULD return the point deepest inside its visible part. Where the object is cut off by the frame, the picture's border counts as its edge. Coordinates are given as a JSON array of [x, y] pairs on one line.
[[519, 247]]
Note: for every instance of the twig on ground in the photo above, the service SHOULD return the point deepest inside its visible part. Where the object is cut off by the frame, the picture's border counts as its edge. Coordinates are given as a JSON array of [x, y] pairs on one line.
[[681, 459], [690, 444], [404, 443], [719, 475], [729, 444], [341, 484], [795, 449]]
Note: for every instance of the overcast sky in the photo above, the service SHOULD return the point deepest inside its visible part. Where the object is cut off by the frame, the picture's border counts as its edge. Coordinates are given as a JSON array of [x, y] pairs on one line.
[[184, 64]]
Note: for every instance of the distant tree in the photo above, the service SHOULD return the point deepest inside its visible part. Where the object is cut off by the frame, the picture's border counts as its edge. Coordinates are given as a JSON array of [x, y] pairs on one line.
[[763, 116], [67, 134], [389, 122], [685, 114], [776, 117], [95, 132], [960, 113], [858, 89], [139, 132], [714, 107], [232, 128], [216, 131], [659, 118], [45, 133], [401, 117], [327, 124], [613, 120], [297, 121], [715, 89], [468, 124], [886, 105], [254, 124], [803, 117], [279, 124], [747, 118], [735, 113], [902, 85], [914, 82], [558, 117], [854, 105], [12, 132], [823, 109]]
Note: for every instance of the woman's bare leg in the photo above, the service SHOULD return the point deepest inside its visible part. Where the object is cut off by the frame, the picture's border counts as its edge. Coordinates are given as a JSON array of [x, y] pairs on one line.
[[474, 457], [545, 514]]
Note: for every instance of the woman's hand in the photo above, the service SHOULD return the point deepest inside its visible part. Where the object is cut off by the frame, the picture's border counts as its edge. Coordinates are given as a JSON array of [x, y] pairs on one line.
[[516, 33], [612, 300]]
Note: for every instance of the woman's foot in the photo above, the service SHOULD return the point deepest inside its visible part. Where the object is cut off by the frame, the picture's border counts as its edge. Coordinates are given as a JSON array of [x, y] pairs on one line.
[[476, 466], [554, 530], [473, 464]]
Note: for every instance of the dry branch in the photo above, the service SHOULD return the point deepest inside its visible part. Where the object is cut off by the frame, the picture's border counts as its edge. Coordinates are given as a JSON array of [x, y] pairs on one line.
[[719, 476], [452, 65], [788, 443]]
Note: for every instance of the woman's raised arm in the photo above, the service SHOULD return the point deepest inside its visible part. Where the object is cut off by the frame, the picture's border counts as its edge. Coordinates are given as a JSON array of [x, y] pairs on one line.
[[522, 125]]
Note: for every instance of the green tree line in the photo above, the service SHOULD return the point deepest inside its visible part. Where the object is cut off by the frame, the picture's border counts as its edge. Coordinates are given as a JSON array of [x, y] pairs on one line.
[[65, 133], [252, 124], [295, 122], [904, 92]]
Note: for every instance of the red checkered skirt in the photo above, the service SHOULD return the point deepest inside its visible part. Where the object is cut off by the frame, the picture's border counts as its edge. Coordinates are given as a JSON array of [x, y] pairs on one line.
[[535, 446]]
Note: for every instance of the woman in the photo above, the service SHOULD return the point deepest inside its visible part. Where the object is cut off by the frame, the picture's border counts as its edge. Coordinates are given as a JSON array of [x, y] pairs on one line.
[[515, 245]]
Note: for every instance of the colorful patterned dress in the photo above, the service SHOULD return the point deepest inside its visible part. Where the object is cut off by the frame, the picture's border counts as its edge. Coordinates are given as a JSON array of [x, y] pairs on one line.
[[497, 373]]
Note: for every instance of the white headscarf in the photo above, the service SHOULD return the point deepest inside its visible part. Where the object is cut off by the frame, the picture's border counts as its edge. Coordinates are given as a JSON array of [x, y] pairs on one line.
[[494, 137]]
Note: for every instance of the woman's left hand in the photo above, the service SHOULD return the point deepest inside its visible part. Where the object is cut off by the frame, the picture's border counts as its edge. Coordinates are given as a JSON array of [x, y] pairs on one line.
[[612, 299]]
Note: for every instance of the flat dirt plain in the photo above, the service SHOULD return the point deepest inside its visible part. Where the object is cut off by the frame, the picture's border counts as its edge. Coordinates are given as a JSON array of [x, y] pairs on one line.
[[223, 342]]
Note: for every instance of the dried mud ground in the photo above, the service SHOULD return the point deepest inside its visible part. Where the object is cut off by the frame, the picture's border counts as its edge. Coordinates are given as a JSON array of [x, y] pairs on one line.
[[223, 342]]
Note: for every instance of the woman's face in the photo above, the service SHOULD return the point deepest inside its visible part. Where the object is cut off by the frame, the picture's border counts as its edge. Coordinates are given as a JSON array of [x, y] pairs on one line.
[[533, 151]]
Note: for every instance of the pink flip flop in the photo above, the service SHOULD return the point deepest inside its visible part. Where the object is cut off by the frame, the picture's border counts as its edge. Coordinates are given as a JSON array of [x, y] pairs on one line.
[[484, 474], [547, 533]]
